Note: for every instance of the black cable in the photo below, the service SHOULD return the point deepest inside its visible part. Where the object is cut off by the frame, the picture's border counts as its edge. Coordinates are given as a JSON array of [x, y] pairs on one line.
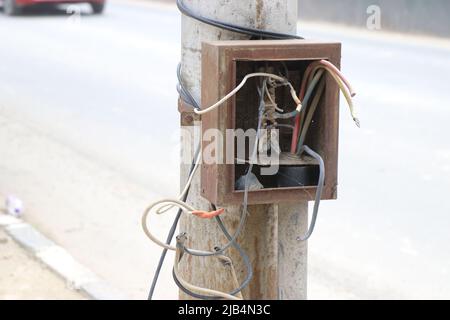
[[171, 233], [233, 27], [232, 240], [261, 108], [183, 92]]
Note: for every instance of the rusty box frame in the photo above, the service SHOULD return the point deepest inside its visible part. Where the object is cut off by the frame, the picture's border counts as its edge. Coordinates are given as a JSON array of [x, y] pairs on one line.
[[219, 61]]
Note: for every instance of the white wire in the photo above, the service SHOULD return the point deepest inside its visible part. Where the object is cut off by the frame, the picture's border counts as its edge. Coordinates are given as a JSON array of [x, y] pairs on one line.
[[271, 100], [167, 207], [239, 87], [201, 290], [177, 203]]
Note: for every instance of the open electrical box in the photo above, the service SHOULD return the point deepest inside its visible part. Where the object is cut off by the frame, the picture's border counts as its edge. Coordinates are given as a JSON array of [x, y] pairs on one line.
[[225, 64]]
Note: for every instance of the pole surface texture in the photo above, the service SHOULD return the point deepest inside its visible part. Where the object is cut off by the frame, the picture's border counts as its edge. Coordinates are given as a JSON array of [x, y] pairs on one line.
[[269, 236]]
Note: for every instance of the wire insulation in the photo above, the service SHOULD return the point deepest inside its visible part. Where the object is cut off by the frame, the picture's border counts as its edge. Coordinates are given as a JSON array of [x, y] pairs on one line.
[[172, 230], [320, 185], [233, 27], [244, 80]]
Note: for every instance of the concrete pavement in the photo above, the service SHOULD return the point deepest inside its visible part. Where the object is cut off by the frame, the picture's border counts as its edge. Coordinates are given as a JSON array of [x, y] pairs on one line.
[[22, 277]]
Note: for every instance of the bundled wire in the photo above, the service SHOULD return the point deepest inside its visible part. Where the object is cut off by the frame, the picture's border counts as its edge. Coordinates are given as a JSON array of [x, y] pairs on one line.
[[308, 82], [180, 203], [173, 227], [193, 288], [231, 240], [252, 32], [184, 92], [306, 98], [307, 116], [244, 257], [184, 207]]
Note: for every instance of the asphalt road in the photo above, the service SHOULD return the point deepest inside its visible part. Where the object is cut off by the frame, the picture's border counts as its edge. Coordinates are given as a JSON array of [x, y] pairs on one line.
[[88, 136]]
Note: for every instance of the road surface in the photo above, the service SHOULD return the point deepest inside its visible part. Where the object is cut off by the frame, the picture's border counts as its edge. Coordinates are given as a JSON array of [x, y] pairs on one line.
[[88, 136]]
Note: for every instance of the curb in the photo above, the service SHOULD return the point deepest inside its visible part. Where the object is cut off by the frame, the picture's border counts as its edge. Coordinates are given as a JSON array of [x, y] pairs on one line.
[[59, 260]]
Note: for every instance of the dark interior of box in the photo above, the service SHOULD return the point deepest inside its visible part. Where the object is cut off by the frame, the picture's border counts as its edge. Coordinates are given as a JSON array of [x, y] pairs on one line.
[[246, 117]]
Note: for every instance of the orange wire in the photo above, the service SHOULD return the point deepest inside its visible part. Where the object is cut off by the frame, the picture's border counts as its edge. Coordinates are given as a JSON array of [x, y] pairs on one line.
[[206, 214]]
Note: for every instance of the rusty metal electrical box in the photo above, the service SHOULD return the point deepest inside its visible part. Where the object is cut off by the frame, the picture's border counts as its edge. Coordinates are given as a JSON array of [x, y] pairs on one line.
[[224, 65]]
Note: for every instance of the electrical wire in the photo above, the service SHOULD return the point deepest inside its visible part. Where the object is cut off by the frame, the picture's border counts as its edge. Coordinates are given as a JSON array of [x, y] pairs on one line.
[[246, 183], [231, 240], [345, 91], [232, 27], [205, 291], [244, 80], [269, 96], [244, 257], [309, 114], [184, 207], [187, 97], [242, 253], [281, 125], [344, 87], [319, 190], [189, 209], [308, 94], [183, 92], [197, 162], [331, 68], [340, 74], [171, 231]]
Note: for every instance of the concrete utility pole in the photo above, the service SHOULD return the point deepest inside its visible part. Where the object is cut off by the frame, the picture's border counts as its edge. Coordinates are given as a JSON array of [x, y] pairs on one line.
[[269, 237]]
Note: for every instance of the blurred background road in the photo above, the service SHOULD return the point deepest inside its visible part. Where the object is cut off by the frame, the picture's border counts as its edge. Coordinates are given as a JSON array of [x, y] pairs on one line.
[[88, 136]]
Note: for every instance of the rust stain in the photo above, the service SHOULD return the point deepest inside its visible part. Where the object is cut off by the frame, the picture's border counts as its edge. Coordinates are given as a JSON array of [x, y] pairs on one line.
[[258, 274], [234, 224], [259, 14]]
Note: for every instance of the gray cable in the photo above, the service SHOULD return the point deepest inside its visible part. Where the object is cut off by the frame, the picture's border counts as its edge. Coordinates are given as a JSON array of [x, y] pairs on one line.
[[308, 94], [245, 201], [320, 185], [171, 233], [241, 253], [183, 92], [309, 114], [232, 240]]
